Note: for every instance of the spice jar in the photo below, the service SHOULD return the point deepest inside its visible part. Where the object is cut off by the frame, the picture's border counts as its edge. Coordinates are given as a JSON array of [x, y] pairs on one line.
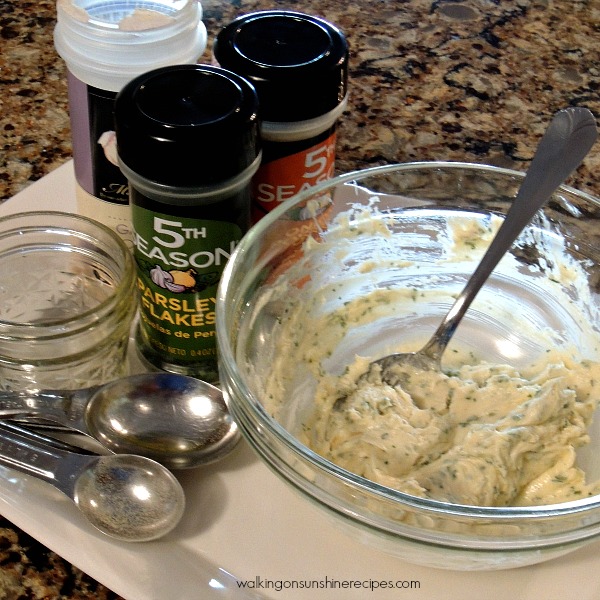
[[299, 66], [105, 44], [188, 142]]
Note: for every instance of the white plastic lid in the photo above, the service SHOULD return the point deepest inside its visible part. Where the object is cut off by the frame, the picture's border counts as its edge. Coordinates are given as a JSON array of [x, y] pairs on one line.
[[282, 131], [106, 43]]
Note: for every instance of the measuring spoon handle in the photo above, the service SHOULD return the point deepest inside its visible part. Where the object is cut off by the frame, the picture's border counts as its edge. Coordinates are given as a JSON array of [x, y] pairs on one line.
[[49, 461], [64, 407]]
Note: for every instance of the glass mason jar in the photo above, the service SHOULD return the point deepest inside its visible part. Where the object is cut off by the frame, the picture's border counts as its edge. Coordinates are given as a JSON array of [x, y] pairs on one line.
[[67, 300]]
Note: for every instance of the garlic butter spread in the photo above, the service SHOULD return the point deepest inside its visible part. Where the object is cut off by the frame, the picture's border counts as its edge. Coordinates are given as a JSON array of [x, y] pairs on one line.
[[483, 435], [502, 424]]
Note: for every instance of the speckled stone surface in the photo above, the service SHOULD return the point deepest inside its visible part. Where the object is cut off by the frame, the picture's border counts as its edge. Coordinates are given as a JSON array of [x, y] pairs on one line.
[[470, 80], [29, 571]]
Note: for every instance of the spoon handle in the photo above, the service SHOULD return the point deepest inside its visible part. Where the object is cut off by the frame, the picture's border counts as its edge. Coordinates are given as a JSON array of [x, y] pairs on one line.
[[46, 460], [569, 137], [64, 407]]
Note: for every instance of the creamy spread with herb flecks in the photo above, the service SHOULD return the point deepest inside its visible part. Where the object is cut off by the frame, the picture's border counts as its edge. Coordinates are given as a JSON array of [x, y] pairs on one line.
[[502, 424], [483, 435]]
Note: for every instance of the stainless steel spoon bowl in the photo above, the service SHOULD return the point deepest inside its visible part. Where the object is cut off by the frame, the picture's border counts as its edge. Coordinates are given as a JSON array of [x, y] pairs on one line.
[[179, 421], [129, 498], [569, 137]]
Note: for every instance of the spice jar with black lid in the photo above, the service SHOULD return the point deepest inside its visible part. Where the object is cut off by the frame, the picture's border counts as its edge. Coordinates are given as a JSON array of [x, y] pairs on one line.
[[298, 64], [188, 141]]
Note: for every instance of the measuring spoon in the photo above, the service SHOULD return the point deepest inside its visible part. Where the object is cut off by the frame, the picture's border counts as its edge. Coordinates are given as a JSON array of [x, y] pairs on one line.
[[130, 498], [179, 421]]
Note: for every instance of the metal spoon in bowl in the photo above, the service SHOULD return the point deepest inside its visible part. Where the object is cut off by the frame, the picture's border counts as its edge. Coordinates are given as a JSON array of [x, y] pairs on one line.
[[568, 139], [179, 421], [130, 498]]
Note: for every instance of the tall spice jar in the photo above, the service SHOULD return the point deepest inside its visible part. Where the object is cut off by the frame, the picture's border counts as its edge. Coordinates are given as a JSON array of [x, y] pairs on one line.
[[188, 140], [298, 64], [105, 44]]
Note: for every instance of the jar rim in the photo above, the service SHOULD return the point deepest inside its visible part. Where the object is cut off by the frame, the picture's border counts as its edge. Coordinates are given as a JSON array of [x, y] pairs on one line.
[[84, 229]]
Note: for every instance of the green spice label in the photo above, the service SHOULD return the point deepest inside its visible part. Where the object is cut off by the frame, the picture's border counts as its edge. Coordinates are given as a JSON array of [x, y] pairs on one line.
[[180, 261]]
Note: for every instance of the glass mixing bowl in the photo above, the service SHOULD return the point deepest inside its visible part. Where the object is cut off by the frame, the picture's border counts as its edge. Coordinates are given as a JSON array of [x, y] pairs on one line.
[[311, 254]]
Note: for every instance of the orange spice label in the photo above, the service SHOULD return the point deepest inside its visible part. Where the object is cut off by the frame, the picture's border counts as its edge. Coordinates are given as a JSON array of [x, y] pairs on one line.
[[279, 179]]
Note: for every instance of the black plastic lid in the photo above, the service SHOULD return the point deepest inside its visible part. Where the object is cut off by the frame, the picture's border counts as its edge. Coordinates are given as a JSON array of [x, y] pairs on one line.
[[297, 63], [187, 125]]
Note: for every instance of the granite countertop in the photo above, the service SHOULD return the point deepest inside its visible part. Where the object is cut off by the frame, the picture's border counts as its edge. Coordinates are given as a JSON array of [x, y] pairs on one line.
[[470, 80]]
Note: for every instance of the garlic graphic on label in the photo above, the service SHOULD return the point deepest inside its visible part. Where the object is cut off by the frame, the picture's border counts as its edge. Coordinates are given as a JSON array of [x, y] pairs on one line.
[[174, 281], [108, 141]]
